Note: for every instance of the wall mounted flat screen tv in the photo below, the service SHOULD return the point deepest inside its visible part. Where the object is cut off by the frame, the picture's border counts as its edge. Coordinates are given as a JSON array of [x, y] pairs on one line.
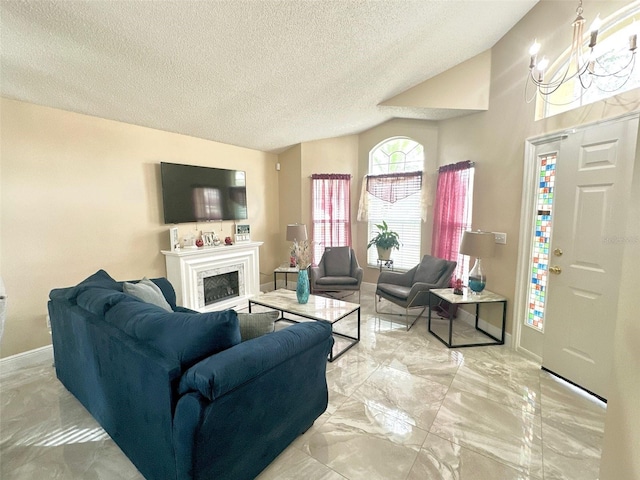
[[202, 194]]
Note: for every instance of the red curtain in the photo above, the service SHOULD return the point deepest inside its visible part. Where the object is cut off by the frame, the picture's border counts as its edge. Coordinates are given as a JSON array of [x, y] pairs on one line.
[[331, 212], [450, 211]]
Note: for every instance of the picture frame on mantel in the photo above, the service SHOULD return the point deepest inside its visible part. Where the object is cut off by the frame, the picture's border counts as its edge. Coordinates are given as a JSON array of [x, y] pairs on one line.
[[174, 239], [242, 232]]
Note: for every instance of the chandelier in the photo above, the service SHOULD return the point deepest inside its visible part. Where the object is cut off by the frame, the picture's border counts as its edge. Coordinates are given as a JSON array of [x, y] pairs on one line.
[[588, 68]]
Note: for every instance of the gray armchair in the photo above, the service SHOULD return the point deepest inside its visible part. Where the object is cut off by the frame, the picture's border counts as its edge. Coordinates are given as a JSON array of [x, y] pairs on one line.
[[411, 289], [337, 271]]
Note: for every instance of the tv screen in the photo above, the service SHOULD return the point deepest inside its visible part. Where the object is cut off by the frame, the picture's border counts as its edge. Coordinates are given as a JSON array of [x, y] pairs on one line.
[[202, 194]]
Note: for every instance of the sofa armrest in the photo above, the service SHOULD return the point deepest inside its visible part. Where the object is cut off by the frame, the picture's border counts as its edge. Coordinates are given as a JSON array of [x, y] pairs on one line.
[[225, 371]]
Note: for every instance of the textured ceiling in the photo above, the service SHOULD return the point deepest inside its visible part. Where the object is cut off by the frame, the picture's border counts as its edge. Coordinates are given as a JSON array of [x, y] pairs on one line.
[[258, 74]]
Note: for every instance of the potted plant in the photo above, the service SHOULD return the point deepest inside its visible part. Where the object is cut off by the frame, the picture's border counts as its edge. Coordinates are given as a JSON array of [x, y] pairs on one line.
[[385, 241]]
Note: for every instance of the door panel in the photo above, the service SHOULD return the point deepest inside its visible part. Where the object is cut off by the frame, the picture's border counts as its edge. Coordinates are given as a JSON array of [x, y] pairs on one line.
[[592, 186]]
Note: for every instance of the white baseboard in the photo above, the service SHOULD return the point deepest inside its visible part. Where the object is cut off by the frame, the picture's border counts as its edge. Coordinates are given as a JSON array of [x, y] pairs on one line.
[[26, 359]]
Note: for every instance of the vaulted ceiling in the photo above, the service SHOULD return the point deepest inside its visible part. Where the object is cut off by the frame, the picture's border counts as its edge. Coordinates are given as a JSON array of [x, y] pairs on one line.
[[258, 74]]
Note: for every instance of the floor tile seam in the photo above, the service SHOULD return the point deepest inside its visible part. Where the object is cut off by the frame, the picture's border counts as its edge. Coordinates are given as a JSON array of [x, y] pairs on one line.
[[483, 454]]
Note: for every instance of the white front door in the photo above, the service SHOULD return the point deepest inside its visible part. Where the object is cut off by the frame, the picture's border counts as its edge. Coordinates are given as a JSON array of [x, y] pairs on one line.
[[593, 177]]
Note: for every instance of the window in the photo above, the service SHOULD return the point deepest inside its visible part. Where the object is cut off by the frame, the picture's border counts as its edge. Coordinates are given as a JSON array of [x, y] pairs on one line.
[[452, 214], [611, 55], [539, 267], [331, 212], [401, 210]]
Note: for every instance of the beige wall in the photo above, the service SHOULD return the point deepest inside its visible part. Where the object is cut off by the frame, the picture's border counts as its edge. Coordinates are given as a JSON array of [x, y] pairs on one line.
[[495, 139], [423, 132], [289, 194], [80, 193], [620, 458], [332, 155]]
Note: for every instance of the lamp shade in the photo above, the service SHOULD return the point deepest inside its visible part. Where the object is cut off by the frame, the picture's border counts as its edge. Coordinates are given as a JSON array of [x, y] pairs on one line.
[[477, 244], [296, 232]]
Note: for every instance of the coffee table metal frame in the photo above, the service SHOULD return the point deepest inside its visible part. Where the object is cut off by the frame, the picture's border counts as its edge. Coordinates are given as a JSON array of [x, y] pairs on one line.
[[263, 300]]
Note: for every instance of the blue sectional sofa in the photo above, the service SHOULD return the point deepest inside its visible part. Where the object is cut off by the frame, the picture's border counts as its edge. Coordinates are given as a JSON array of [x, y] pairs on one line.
[[177, 390]]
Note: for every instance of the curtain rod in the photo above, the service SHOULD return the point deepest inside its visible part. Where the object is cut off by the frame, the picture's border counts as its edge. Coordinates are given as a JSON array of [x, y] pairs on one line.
[[331, 174]]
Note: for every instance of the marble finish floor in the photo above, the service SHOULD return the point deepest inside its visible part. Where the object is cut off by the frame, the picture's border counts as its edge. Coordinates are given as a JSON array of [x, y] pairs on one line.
[[402, 406]]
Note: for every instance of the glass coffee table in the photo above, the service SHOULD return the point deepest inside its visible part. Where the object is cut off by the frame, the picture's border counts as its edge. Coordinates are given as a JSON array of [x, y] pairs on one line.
[[317, 308]]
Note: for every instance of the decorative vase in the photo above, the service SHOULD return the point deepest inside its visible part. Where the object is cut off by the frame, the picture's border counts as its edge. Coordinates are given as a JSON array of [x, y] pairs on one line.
[[302, 287], [477, 278]]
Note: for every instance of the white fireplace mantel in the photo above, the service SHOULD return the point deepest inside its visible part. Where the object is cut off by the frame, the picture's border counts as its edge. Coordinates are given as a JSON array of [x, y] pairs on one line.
[[187, 267]]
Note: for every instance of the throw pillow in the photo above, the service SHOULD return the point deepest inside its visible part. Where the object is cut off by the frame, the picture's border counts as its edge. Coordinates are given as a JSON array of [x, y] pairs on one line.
[[147, 291], [254, 325]]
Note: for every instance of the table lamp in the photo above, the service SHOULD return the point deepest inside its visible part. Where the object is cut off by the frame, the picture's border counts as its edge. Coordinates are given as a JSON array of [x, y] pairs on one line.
[[479, 245]]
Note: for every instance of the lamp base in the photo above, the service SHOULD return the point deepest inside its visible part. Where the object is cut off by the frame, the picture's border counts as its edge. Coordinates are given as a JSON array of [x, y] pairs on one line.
[[477, 278]]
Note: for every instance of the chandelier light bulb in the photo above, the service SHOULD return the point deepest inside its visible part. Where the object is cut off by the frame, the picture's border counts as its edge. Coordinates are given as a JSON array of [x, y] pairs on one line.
[[595, 26], [535, 48], [544, 63]]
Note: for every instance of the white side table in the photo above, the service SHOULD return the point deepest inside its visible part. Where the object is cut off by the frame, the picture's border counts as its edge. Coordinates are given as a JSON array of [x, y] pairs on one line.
[[468, 299]]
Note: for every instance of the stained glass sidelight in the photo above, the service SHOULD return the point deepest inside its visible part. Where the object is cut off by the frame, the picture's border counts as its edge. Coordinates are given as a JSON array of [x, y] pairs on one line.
[[541, 242]]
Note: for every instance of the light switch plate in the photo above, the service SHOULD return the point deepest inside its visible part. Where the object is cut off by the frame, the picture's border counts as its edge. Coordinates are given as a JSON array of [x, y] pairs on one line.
[[501, 238]]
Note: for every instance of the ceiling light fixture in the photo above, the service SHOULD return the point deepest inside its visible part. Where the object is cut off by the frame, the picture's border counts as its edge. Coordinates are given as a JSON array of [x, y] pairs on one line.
[[593, 68]]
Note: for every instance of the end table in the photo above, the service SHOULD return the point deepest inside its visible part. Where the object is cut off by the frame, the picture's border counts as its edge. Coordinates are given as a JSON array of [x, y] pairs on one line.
[[468, 299]]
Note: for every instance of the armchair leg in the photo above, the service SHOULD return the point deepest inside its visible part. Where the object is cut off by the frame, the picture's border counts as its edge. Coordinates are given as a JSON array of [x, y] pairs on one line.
[[405, 314]]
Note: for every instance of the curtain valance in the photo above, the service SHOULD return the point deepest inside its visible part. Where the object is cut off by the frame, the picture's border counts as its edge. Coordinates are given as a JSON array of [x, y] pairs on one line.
[[392, 187]]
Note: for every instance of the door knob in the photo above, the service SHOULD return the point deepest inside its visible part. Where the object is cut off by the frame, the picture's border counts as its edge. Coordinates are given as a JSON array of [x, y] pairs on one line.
[[555, 269]]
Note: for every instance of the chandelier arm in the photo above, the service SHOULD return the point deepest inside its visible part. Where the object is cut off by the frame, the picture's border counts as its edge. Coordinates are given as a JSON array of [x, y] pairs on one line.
[[615, 74], [626, 79]]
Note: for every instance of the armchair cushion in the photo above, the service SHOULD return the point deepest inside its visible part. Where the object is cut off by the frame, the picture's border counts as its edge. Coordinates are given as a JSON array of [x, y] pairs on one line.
[[395, 290], [337, 261], [337, 281]]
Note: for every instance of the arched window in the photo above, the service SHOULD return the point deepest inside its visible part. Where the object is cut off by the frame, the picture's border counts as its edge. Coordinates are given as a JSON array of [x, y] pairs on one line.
[[611, 54], [402, 213]]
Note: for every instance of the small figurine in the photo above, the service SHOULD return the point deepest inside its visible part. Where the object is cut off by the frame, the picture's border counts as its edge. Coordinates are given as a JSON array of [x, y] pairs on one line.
[[457, 290]]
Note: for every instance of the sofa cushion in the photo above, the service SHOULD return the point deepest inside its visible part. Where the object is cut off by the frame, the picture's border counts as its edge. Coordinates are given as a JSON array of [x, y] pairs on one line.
[[337, 261], [100, 279], [186, 337], [254, 325], [147, 291], [430, 270], [99, 300]]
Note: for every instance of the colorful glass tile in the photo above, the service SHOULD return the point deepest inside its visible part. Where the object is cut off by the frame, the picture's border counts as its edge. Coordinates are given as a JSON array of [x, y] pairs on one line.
[[540, 252]]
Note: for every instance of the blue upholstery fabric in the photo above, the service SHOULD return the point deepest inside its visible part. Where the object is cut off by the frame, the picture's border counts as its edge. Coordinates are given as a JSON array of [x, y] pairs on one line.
[[258, 410], [126, 385], [100, 279], [128, 372], [185, 337], [99, 300]]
